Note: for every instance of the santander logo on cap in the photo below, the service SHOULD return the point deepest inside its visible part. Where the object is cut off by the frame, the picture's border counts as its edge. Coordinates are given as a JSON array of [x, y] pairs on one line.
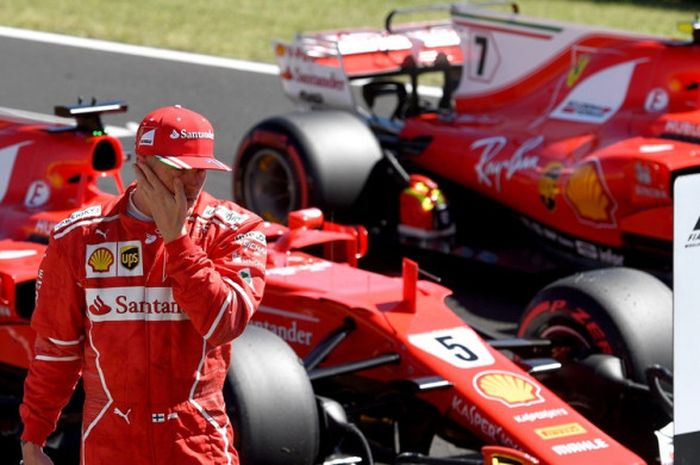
[[185, 134], [178, 137]]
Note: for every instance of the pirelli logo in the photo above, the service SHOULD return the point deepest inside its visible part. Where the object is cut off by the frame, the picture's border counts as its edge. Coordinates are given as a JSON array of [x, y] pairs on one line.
[[560, 431]]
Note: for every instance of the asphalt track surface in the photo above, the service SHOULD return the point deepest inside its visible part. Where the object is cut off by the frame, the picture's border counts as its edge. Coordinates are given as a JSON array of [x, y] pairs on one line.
[[35, 76]]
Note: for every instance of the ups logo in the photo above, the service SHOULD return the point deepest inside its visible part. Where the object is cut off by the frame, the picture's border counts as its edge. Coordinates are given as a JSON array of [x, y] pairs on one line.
[[129, 256]]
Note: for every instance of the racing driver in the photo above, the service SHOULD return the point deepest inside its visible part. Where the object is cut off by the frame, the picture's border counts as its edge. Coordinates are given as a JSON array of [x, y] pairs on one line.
[[143, 295]]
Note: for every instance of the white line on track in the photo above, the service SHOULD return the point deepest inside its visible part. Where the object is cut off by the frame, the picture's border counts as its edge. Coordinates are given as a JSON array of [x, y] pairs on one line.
[[138, 50]]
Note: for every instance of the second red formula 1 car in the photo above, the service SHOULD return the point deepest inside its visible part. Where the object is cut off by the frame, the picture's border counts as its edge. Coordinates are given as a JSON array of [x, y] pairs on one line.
[[389, 356], [342, 365], [567, 135]]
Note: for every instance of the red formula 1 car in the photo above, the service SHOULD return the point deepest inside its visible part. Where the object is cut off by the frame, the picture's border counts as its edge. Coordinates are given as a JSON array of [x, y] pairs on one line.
[[342, 365], [571, 133]]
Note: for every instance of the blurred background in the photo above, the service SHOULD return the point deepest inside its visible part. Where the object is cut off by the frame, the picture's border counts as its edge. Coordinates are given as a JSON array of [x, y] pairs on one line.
[[244, 28]]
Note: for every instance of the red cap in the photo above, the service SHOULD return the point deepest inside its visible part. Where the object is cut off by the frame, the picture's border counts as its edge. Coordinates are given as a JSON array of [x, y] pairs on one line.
[[179, 137]]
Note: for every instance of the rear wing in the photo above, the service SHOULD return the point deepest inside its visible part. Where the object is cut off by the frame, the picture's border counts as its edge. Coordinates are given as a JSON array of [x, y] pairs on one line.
[[88, 115], [316, 68]]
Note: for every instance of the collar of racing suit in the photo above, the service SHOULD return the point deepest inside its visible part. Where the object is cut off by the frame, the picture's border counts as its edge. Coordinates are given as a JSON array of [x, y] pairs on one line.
[[133, 211]]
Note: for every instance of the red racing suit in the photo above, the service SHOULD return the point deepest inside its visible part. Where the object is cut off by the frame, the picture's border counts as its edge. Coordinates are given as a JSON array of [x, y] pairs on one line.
[[149, 325]]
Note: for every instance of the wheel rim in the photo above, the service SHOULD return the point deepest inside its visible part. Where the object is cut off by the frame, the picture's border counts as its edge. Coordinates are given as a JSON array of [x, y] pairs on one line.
[[568, 342], [269, 185]]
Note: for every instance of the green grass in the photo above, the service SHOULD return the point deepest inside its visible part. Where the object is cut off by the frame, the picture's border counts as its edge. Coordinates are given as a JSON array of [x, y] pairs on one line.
[[244, 28]]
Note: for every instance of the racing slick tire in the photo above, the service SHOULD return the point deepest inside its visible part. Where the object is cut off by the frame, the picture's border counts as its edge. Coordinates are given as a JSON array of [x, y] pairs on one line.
[[270, 402], [619, 312], [308, 159]]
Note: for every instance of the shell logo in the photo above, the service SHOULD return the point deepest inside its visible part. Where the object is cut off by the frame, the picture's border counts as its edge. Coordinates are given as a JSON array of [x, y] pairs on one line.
[[510, 389], [589, 196], [101, 259]]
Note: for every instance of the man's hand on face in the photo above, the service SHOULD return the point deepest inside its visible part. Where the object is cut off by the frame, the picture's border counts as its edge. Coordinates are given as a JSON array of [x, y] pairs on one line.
[[168, 209], [33, 454]]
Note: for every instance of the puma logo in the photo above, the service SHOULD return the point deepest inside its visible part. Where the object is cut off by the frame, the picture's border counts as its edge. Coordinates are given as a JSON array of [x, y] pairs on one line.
[[125, 416], [101, 233]]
